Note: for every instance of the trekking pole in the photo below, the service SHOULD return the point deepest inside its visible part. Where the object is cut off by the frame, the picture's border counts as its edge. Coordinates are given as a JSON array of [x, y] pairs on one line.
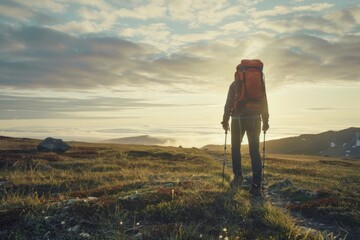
[[224, 158], [263, 166]]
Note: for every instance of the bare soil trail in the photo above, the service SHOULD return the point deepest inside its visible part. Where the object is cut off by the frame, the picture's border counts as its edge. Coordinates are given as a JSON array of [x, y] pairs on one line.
[[310, 220]]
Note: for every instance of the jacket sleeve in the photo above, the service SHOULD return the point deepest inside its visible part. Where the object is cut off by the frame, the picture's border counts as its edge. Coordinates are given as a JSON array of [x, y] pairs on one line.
[[228, 109], [265, 111]]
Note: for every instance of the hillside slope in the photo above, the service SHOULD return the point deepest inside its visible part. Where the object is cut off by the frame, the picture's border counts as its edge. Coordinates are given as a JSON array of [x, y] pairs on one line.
[[141, 140], [344, 143]]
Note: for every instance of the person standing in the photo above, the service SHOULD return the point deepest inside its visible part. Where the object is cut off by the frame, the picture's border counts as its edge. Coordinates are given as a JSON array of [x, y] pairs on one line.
[[247, 105]]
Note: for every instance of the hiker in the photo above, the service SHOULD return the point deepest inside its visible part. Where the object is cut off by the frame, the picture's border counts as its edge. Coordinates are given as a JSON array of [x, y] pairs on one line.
[[247, 105]]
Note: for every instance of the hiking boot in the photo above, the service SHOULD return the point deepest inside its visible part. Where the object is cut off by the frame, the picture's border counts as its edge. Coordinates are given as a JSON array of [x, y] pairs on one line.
[[237, 181], [256, 190]]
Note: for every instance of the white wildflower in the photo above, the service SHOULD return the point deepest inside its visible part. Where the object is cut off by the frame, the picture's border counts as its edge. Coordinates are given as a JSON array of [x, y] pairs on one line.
[[84, 235], [224, 229], [73, 229], [63, 222]]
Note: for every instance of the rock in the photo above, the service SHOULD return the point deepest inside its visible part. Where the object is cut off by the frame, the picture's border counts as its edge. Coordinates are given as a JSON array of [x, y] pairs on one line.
[[312, 194], [168, 185], [84, 235], [138, 236], [53, 145], [135, 196], [73, 201], [3, 183], [73, 229]]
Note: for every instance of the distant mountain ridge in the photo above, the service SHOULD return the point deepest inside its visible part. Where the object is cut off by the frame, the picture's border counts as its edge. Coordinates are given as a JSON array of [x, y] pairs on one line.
[[141, 140], [343, 143]]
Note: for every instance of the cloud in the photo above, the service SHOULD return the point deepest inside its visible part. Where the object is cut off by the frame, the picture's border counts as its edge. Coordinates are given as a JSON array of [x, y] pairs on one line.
[[30, 12], [191, 38], [201, 12], [239, 26], [104, 16], [101, 4], [284, 10], [311, 59], [323, 109], [89, 18], [150, 10], [306, 23], [338, 22], [79, 27], [13, 10], [44, 58], [147, 31], [156, 34], [47, 5], [249, 3], [355, 12], [50, 59], [34, 107], [39, 58]]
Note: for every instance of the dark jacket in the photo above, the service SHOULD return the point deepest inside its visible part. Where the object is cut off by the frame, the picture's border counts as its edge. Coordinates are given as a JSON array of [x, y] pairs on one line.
[[229, 108]]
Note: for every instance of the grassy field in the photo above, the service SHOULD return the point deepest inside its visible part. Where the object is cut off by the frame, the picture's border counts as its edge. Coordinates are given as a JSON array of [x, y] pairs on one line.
[[104, 191]]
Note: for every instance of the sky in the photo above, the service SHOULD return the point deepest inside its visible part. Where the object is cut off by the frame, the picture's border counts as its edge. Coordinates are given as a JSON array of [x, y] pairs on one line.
[[92, 70]]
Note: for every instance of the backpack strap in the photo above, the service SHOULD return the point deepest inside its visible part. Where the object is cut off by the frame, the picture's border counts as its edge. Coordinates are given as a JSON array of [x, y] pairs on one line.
[[243, 84]]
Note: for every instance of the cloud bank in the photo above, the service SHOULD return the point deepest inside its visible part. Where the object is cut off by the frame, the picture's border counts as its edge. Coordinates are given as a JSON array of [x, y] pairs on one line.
[[42, 58]]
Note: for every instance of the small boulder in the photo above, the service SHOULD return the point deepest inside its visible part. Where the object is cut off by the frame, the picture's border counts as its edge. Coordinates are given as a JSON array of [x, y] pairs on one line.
[[53, 145]]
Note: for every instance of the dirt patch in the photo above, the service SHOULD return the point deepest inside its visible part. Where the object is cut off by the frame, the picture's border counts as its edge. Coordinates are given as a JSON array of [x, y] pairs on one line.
[[337, 163], [25, 159], [136, 154], [160, 155], [9, 217], [98, 192], [83, 152], [311, 207]]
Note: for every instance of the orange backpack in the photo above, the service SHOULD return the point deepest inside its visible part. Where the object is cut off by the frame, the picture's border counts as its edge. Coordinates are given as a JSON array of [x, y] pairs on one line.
[[252, 92]]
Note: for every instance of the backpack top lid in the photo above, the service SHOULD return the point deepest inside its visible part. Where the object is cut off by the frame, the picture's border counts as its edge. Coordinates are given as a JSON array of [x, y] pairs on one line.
[[253, 63]]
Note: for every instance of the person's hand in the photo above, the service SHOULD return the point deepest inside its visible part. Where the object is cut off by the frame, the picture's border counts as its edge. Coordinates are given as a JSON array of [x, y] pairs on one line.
[[225, 125], [265, 126]]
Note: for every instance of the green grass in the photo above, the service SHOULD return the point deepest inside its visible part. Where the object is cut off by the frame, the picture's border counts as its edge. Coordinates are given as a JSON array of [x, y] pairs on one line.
[[109, 191]]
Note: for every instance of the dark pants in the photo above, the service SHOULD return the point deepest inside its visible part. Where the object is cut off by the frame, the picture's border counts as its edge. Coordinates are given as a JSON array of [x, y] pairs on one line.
[[252, 127]]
